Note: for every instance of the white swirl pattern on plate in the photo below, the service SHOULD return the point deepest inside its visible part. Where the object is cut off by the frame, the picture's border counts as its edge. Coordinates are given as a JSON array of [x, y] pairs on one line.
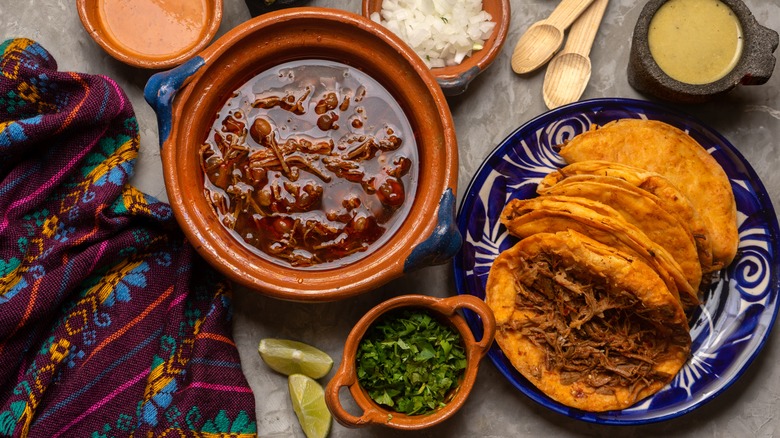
[[727, 330]]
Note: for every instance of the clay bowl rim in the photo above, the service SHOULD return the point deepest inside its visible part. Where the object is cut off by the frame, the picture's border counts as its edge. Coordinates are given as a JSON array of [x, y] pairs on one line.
[[445, 310], [453, 76], [88, 15], [750, 32], [415, 89]]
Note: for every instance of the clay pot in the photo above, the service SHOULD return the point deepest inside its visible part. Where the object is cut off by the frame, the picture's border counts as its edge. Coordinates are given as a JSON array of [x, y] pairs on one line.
[[753, 68], [445, 309], [100, 31], [187, 99], [455, 79]]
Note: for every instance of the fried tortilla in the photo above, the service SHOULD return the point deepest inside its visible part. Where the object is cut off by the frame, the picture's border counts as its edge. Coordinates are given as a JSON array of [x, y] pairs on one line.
[[549, 214], [638, 208], [655, 186], [664, 149], [591, 327]]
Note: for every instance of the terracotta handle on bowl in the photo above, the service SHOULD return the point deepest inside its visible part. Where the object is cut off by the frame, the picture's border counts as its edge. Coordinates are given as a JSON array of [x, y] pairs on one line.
[[458, 84], [162, 87], [347, 376], [449, 306], [444, 241]]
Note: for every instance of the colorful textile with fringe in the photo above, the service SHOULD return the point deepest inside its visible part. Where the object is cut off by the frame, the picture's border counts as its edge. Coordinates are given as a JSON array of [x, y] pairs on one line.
[[110, 324]]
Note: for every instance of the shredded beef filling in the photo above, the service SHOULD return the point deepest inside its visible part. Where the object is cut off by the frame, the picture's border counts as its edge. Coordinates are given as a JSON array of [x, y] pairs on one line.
[[603, 339]]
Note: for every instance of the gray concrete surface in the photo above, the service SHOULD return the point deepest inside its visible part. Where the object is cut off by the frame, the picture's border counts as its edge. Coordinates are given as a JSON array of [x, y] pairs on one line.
[[496, 104]]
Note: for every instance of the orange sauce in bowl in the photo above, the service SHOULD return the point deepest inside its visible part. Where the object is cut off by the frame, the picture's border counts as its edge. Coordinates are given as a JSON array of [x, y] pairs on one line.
[[155, 28]]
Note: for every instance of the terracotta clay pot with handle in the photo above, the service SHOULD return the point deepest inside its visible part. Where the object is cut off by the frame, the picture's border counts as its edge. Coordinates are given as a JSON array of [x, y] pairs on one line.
[[446, 310], [187, 99], [455, 79]]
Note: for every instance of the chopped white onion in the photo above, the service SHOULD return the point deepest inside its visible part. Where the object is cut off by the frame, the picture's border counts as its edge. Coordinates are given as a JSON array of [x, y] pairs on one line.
[[441, 32]]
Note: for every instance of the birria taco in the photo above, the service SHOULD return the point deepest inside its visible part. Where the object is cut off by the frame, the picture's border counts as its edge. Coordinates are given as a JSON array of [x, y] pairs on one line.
[[640, 210], [591, 327], [659, 147], [604, 224], [651, 184]]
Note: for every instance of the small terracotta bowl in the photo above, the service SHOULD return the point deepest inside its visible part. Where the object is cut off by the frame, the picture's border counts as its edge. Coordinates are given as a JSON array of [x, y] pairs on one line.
[[446, 310], [754, 67], [188, 98], [99, 26], [455, 79]]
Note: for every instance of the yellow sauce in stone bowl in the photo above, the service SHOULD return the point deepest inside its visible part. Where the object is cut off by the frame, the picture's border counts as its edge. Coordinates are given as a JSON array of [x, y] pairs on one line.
[[693, 51], [695, 41]]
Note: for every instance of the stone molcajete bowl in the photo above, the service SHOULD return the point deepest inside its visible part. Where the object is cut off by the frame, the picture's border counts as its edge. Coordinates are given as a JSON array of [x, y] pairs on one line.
[[188, 98], [753, 68], [446, 311]]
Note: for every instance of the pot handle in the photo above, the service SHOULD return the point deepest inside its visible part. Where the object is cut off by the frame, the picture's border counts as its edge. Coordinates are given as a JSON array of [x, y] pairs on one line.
[[162, 88], [346, 376], [449, 305], [761, 59], [459, 84], [444, 241]]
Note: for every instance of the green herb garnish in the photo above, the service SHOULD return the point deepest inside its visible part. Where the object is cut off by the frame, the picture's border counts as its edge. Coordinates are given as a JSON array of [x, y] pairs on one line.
[[410, 362]]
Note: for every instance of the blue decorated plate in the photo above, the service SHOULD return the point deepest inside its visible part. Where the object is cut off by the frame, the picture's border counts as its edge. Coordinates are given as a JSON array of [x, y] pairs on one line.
[[729, 328]]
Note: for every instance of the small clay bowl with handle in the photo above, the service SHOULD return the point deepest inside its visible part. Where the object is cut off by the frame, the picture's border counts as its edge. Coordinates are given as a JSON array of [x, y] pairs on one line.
[[446, 311], [455, 79]]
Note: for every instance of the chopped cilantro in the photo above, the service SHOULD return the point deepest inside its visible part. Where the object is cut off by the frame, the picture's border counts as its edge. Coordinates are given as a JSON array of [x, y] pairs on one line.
[[410, 362]]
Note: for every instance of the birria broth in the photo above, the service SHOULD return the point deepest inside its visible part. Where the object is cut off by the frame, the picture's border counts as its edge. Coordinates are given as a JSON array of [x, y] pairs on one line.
[[310, 164], [695, 41]]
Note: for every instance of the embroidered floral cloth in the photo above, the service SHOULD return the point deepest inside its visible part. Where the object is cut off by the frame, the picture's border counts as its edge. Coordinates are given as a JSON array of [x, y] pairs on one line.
[[110, 325]]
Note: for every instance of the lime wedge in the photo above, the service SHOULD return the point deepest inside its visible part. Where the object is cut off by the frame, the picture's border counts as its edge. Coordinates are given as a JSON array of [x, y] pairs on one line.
[[293, 357], [308, 400]]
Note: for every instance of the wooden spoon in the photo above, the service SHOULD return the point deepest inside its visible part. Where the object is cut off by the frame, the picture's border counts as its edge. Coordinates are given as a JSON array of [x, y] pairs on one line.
[[540, 42], [569, 71]]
